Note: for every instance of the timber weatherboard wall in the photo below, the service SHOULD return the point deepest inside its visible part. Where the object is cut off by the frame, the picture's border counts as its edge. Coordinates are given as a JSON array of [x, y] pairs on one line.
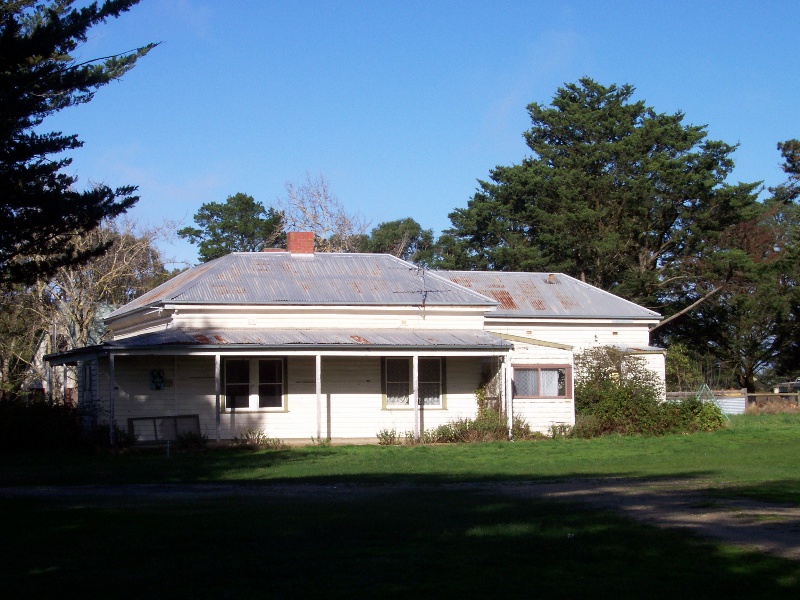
[[352, 397], [542, 413], [578, 335]]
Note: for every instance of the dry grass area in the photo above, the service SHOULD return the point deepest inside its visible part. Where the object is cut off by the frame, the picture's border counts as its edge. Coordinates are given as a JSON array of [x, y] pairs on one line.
[[771, 405]]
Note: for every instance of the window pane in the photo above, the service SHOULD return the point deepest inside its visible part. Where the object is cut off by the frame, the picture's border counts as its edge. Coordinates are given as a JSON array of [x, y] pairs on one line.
[[429, 394], [270, 371], [554, 382], [526, 382], [237, 371], [429, 370], [430, 381], [397, 381], [270, 395], [397, 370], [237, 395], [396, 393]]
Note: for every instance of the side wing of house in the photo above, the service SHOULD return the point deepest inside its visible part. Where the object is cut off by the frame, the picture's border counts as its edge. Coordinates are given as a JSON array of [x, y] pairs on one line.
[[541, 382], [556, 308]]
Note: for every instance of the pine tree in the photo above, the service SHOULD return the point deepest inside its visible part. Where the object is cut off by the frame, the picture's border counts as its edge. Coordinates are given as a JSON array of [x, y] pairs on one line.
[[42, 215], [616, 194], [240, 224]]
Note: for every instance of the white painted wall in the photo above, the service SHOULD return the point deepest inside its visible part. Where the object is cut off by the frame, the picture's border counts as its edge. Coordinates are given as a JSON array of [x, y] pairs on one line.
[[579, 335], [351, 386], [315, 317], [541, 413]]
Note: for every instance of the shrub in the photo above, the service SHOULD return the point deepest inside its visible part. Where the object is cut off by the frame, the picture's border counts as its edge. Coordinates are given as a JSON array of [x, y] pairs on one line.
[[586, 426], [98, 436], [388, 437], [615, 393], [520, 430], [696, 415], [27, 425], [191, 440], [257, 439], [489, 426], [38, 425], [560, 430]]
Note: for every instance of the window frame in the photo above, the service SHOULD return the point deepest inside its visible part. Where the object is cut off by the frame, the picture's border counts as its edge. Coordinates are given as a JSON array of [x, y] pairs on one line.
[[539, 368], [442, 382], [385, 382], [254, 384]]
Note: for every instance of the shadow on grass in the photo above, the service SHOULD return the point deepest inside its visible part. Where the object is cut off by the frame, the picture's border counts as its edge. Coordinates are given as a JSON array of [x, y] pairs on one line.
[[785, 491], [441, 543]]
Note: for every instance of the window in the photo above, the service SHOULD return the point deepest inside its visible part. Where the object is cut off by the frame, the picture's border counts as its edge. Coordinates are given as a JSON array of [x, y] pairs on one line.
[[542, 381], [253, 383], [398, 378], [398, 381]]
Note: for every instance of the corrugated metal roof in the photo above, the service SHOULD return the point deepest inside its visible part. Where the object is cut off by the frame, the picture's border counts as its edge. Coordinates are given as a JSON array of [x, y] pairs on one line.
[[548, 295], [317, 338], [271, 278]]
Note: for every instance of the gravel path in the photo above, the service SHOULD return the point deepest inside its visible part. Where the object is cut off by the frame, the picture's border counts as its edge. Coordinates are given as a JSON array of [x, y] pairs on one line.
[[771, 528]]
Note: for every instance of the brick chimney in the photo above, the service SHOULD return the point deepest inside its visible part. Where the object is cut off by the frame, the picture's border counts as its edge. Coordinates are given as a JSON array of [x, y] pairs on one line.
[[300, 242]]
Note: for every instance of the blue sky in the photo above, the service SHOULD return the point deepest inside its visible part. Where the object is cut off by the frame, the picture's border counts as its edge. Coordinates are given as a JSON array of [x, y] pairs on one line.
[[402, 106]]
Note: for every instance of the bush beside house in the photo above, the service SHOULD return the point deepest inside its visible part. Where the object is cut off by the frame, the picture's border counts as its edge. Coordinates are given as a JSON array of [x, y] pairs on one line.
[[616, 394]]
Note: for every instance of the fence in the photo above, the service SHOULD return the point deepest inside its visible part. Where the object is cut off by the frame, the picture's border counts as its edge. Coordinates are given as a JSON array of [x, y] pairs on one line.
[[730, 402], [763, 399], [736, 402]]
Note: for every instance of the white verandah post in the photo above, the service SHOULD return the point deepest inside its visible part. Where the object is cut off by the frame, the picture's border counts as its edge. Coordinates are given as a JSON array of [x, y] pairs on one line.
[[508, 394], [217, 392], [111, 395], [415, 380], [318, 379]]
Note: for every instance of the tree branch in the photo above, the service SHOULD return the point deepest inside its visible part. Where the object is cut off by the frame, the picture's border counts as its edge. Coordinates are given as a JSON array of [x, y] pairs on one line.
[[688, 308]]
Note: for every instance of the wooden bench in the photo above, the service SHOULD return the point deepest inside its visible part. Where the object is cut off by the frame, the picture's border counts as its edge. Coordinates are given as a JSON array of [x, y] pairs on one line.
[[162, 428]]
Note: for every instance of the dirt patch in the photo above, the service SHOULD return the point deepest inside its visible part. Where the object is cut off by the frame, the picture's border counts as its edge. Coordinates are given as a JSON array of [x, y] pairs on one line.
[[766, 527]]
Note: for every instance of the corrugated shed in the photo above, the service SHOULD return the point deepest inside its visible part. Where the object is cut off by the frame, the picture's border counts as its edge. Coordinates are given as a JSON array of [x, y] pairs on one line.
[[332, 338], [549, 295], [732, 405], [269, 278]]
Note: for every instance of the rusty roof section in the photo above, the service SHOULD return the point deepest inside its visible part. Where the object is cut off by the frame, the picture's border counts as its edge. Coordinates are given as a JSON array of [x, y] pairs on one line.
[[467, 339], [280, 278], [546, 295]]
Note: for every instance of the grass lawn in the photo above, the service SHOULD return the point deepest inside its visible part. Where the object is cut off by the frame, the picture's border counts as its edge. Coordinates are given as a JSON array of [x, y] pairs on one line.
[[755, 455], [419, 544], [391, 542]]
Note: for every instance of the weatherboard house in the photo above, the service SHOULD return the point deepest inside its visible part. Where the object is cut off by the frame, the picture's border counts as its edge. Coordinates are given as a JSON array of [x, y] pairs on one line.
[[317, 345]]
